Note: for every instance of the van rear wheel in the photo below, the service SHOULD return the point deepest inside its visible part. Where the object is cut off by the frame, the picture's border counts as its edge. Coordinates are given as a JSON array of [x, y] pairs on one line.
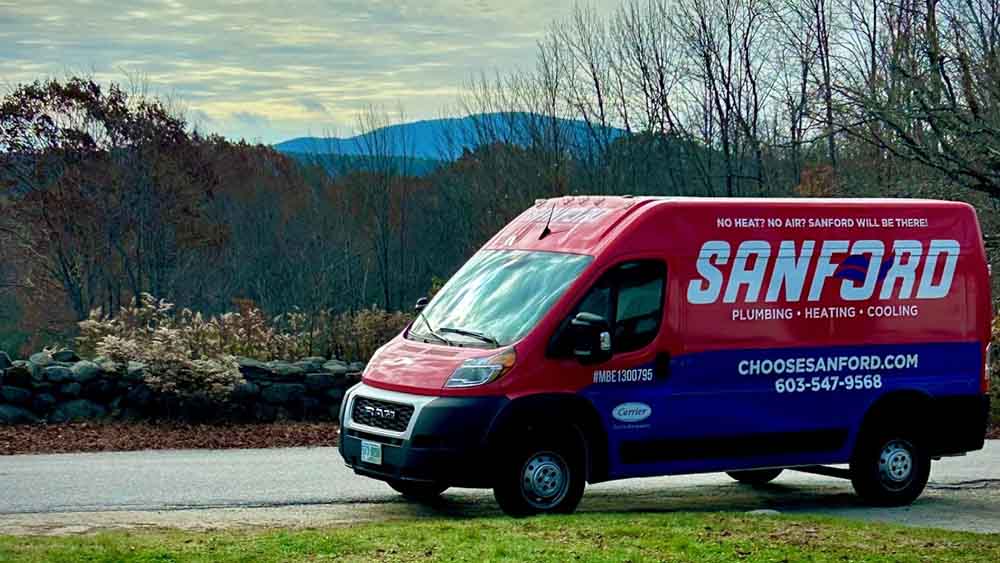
[[890, 467], [543, 476], [418, 491], [755, 476]]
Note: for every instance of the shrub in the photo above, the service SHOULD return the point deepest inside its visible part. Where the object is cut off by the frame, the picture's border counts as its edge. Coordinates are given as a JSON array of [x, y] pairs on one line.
[[357, 335], [247, 332], [147, 332], [171, 370]]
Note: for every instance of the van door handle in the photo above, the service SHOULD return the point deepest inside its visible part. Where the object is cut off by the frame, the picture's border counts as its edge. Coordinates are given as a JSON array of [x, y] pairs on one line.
[[662, 366]]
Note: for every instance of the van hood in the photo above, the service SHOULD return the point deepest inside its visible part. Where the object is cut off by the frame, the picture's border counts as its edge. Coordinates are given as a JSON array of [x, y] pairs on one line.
[[417, 367]]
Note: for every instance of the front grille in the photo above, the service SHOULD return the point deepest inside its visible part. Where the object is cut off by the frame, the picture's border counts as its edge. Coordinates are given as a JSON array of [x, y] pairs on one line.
[[381, 414]]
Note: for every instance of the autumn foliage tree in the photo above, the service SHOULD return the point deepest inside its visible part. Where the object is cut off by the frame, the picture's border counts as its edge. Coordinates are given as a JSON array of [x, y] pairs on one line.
[[102, 190]]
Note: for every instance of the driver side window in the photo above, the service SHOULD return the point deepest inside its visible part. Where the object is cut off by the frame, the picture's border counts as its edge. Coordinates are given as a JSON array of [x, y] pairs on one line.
[[630, 298]]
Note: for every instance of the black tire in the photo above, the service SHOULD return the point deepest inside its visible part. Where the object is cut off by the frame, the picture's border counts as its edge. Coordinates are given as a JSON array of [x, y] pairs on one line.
[[755, 476], [890, 467], [544, 475], [418, 491]]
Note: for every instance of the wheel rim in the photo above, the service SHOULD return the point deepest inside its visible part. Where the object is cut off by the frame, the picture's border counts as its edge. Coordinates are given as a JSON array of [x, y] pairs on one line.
[[895, 464], [545, 480]]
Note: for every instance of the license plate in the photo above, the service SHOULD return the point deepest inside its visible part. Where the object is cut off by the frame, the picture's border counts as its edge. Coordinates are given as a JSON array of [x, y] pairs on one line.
[[371, 452]]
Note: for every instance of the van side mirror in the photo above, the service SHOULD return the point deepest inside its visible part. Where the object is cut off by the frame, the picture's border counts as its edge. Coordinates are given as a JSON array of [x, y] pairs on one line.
[[591, 338], [421, 303]]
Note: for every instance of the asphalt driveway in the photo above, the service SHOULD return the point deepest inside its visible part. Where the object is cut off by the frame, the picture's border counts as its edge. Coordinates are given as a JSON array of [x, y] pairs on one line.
[[310, 487]]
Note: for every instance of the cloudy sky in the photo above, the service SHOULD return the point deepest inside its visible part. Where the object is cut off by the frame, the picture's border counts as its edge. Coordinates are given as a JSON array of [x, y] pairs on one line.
[[267, 71]]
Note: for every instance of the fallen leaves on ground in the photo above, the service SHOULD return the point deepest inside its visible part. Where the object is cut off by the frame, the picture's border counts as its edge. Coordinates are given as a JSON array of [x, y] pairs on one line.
[[132, 436]]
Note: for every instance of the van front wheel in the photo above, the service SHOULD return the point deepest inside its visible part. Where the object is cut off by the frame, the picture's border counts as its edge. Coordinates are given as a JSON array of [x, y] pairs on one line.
[[890, 468], [544, 476], [755, 476]]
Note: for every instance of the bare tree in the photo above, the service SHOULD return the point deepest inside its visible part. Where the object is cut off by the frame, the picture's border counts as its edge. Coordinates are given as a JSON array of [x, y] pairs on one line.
[[937, 97]]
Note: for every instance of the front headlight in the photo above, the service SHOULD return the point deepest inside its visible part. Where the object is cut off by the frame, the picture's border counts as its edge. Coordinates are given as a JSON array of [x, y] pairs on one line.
[[480, 371]]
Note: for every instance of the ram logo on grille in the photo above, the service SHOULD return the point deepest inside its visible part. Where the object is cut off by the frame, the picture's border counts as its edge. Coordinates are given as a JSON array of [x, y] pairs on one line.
[[382, 414], [379, 412]]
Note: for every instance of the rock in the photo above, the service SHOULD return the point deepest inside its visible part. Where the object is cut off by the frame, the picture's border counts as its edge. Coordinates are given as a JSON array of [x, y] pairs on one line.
[[41, 359], [43, 403], [16, 395], [57, 374], [320, 381], [18, 374], [135, 371], [311, 408], [9, 414], [356, 367], [65, 356], [334, 411], [284, 371], [246, 390], [265, 413], [336, 367], [282, 393], [336, 395], [78, 409], [106, 365], [71, 389], [84, 371], [101, 390], [254, 370], [198, 408], [139, 396], [132, 413], [4, 361], [764, 512], [312, 363]]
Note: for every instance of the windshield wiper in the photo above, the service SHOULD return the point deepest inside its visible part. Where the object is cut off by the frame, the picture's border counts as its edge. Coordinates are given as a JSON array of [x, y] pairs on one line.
[[431, 330], [477, 335]]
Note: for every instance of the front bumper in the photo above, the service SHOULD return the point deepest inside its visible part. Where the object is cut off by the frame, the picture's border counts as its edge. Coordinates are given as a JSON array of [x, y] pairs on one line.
[[444, 442]]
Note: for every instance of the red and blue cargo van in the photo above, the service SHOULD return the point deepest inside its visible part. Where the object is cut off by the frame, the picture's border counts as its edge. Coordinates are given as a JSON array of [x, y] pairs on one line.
[[599, 338]]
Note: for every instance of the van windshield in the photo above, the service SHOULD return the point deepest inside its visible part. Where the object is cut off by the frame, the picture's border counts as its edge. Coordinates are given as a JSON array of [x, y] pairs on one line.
[[497, 297]]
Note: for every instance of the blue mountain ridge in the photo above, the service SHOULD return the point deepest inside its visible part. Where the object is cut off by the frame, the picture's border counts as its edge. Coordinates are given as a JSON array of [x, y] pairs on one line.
[[445, 138]]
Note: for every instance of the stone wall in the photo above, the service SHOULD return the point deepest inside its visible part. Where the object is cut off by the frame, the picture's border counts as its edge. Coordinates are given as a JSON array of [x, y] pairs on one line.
[[61, 387]]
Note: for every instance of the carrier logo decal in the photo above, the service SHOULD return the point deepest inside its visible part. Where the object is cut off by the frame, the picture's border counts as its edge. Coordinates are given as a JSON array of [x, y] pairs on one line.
[[798, 271], [632, 412]]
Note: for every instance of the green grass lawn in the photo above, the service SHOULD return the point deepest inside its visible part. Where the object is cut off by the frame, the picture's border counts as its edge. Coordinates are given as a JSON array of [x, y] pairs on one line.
[[582, 537]]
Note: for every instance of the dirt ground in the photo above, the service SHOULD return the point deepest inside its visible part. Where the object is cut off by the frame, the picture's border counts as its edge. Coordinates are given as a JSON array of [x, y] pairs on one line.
[[134, 436]]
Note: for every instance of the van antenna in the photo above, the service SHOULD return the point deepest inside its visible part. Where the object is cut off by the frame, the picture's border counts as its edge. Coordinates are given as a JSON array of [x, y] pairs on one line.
[[547, 231]]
